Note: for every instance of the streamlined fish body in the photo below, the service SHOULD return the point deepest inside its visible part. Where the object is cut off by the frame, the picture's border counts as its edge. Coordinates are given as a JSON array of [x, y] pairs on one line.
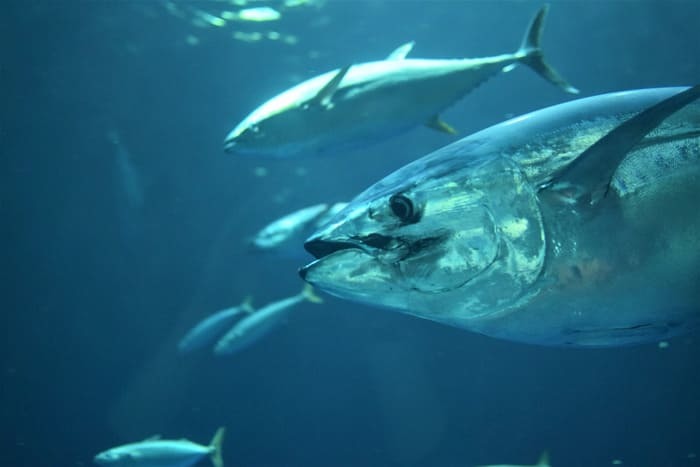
[[362, 103], [573, 225]]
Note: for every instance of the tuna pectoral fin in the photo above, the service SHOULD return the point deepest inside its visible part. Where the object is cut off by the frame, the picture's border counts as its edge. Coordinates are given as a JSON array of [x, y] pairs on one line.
[[437, 124], [324, 96], [592, 171], [216, 447], [530, 53], [309, 294]]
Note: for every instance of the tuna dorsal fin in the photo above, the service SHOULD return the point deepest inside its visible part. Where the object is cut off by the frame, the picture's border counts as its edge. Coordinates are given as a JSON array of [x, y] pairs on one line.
[[324, 96], [247, 304], [436, 123], [152, 438], [590, 173], [401, 51], [543, 460]]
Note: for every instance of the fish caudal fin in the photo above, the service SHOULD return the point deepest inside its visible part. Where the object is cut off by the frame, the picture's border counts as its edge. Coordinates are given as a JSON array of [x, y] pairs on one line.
[[530, 53], [216, 446], [309, 294], [544, 460]]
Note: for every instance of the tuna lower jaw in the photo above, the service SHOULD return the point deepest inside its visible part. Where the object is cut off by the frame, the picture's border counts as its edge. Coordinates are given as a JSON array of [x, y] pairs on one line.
[[343, 271]]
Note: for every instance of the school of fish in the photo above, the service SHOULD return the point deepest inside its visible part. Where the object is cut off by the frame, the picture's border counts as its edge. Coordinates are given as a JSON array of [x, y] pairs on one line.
[[573, 225]]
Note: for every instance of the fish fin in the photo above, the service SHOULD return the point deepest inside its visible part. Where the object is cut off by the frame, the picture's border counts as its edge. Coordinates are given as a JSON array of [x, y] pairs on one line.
[[216, 447], [590, 174], [543, 460], [437, 124], [530, 53], [401, 51], [310, 295], [324, 96], [247, 304], [152, 438]]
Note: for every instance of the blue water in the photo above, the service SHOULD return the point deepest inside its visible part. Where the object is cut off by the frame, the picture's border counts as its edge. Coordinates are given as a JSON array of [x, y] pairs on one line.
[[97, 286]]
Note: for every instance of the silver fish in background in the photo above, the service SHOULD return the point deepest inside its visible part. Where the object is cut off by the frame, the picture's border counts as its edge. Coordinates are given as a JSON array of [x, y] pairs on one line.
[[156, 452], [212, 327], [573, 225], [257, 325], [285, 236], [357, 104], [129, 177], [543, 461], [130, 190]]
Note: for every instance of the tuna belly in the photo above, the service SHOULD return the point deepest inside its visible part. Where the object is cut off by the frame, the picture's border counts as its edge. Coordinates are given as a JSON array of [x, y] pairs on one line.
[[631, 311], [360, 118]]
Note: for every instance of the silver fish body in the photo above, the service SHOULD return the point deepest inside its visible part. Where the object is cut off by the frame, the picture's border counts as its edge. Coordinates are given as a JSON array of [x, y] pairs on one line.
[[543, 461], [260, 323], [212, 327], [573, 225], [285, 236], [156, 452], [366, 102]]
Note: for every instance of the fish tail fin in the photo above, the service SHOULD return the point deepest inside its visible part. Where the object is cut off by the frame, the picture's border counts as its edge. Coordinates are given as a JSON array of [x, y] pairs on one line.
[[543, 460], [309, 294], [247, 304], [530, 53], [216, 446]]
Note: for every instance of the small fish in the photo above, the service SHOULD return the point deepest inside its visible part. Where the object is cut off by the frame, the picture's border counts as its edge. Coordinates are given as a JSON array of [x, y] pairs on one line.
[[129, 177], [574, 225], [251, 328], [258, 14], [542, 462], [212, 327], [361, 103], [156, 452], [285, 236], [203, 18], [131, 193]]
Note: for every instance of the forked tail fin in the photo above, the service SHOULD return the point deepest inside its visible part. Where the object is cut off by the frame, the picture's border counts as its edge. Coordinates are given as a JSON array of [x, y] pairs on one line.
[[216, 446], [530, 53]]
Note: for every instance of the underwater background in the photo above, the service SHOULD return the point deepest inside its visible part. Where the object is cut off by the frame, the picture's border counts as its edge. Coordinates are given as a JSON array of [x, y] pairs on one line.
[[105, 266]]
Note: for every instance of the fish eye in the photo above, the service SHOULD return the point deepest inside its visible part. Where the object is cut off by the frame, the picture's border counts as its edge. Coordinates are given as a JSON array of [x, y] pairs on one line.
[[403, 208]]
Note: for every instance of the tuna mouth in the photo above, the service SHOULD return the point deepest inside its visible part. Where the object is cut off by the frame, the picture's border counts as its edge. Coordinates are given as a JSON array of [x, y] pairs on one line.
[[322, 248]]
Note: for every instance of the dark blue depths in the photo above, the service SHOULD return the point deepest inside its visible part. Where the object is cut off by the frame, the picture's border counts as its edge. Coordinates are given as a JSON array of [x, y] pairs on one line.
[[111, 251]]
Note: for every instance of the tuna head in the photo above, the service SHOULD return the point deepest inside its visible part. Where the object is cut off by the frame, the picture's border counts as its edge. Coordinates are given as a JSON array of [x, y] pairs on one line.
[[449, 238], [113, 457], [270, 135]]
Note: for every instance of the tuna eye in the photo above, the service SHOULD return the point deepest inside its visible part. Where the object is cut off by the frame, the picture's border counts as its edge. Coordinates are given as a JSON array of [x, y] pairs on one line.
[[402, 207]]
